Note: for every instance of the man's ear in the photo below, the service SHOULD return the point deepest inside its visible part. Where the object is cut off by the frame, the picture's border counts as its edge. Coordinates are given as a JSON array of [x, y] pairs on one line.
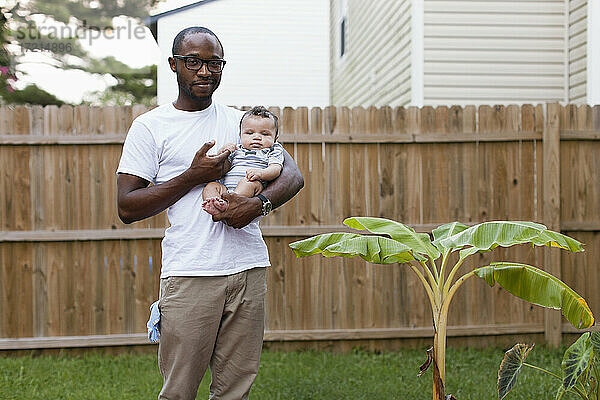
[[172, 64]]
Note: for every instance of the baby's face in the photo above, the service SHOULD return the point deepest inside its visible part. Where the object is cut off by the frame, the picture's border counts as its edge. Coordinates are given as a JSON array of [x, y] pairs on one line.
[[257, 132]]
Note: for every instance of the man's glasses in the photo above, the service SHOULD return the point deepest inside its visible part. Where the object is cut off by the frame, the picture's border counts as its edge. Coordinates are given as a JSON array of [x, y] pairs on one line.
[[194, 63]]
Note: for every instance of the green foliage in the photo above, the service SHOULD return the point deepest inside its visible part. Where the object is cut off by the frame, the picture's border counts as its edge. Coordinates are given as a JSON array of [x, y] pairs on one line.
[[489, 235], [576, 360], [31, 94], [510, 368], [580, 368], [539, 287], [74, 21], [99, 13], [377, 249], [134, 85], [445, 231], [396, 242], [301, 375]]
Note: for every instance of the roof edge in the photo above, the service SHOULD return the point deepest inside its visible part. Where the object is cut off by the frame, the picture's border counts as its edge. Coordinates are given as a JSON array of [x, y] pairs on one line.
[[155, 17], [152, 20]]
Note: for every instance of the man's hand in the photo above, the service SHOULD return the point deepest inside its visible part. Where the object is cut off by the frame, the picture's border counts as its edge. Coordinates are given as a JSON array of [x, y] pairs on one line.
[[240, 211], [136, 200], [207, 168], [229, 146]]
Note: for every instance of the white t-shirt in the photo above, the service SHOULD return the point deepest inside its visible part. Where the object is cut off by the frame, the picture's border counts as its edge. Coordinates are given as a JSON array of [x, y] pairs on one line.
[[161, 145]]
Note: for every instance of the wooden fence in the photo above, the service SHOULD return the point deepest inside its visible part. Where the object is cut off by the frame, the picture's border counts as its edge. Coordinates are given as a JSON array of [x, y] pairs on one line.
[[71, 274]]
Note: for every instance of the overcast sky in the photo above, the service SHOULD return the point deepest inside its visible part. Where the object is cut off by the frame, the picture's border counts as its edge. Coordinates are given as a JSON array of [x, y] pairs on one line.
[[136, 50]]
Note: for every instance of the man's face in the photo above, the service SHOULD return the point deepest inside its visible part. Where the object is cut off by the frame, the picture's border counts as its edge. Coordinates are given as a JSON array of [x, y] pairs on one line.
[[257, 132], [197, 85]]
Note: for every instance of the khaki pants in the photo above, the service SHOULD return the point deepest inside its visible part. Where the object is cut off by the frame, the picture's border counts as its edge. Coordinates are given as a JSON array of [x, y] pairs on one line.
[[215, 321]]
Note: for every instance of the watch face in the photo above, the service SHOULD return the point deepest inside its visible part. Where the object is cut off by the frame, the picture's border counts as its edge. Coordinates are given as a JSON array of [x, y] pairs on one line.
[[267, 207]]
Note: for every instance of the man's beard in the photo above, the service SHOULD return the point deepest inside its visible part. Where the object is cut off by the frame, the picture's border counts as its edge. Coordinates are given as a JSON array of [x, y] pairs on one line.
[[188, 92]]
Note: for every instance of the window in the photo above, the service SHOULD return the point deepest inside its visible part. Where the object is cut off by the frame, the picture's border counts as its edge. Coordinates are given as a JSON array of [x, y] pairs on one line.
[[343, 37], [342, 28]]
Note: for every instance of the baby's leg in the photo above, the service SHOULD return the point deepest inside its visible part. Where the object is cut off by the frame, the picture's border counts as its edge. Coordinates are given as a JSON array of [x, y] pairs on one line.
[[213, 203], [248, 188]]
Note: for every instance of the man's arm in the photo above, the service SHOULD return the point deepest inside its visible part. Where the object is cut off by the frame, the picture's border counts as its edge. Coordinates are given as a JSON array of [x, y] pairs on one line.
[[242, 210], [137, 201]]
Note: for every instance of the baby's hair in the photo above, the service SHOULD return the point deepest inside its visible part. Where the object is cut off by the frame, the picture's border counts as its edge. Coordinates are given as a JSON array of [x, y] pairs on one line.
[[260, 111]]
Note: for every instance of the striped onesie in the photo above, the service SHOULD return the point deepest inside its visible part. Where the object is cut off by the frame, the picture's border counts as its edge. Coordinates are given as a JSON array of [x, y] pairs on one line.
[[242, 159]]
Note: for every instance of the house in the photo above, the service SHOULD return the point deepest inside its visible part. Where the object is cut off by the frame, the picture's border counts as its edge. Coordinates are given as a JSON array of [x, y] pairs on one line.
[[277, 51], [434, 52]]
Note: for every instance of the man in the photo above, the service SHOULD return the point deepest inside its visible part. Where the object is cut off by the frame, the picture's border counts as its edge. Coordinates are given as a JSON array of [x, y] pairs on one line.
[[213, 277]]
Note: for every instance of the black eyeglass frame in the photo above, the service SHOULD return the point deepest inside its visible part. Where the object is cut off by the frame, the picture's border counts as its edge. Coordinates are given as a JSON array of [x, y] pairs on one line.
[[202, 62]]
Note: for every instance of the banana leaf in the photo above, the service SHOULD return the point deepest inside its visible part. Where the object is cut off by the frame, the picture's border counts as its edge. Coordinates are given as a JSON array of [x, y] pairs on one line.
[[420, 243], [316, 244], [489, 235], [445, 231], [539, 287], [374, 249]]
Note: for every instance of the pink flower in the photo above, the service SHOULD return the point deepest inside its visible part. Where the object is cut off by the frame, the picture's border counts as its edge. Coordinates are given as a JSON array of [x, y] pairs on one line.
[[3, 70]]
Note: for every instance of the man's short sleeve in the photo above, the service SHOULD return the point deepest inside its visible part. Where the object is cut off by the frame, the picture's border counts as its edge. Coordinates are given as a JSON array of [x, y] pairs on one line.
[[276, 154], [140, 154]]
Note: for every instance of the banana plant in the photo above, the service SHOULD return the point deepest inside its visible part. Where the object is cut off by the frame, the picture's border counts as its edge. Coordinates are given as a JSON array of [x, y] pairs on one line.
[[392, 242]]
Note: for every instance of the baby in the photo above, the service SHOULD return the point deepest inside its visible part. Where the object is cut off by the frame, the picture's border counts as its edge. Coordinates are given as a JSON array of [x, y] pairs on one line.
[[254, 163]]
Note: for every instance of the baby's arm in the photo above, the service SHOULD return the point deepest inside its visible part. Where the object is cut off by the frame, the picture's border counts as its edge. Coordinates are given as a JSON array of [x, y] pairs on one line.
[[265, 174]]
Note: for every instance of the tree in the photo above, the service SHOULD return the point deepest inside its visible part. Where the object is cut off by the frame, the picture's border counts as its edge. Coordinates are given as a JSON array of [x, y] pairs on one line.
[[394, 242], [58, 28]]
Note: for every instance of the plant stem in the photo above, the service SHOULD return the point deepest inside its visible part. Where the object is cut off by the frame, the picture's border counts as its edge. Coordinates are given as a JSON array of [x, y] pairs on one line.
[[580, 392], [543, 370], [454, 288], [451, 275], [597, 377], [443, 266], [439, 347], [426, 286], [435, 270], [430, 276], [440, 326]]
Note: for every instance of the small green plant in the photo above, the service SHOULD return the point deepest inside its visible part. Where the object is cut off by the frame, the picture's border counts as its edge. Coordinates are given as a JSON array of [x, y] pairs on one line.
[[580, 366], [394, 242]]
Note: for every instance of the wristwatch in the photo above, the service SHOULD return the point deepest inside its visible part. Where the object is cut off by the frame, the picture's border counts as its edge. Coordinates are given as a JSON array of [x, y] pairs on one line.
[[266, 204]]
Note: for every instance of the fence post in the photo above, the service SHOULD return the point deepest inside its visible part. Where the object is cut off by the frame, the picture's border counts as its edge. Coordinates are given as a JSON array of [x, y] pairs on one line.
[[551, 213]]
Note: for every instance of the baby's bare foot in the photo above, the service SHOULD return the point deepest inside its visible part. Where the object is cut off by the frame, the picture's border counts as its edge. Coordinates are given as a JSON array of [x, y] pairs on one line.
[[214, 205]]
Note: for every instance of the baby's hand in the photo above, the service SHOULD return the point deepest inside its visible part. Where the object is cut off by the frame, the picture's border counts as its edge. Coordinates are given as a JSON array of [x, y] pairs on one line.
[[253, 174], [229, 146]]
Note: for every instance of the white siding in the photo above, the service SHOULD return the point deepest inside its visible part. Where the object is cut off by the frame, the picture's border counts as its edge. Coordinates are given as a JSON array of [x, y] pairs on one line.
[[491, 51], [577, 51], [593, 52], [277, 51], [376, 67]]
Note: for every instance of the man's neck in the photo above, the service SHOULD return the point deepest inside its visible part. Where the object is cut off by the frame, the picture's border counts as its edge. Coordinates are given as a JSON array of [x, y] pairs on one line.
[[186, 104]]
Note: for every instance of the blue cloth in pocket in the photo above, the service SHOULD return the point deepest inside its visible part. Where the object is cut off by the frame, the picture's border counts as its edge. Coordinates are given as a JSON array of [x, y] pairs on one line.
[[153, 323]]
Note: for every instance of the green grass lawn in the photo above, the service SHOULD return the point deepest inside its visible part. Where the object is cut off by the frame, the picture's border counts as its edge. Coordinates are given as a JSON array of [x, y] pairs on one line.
[[471, 374]]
